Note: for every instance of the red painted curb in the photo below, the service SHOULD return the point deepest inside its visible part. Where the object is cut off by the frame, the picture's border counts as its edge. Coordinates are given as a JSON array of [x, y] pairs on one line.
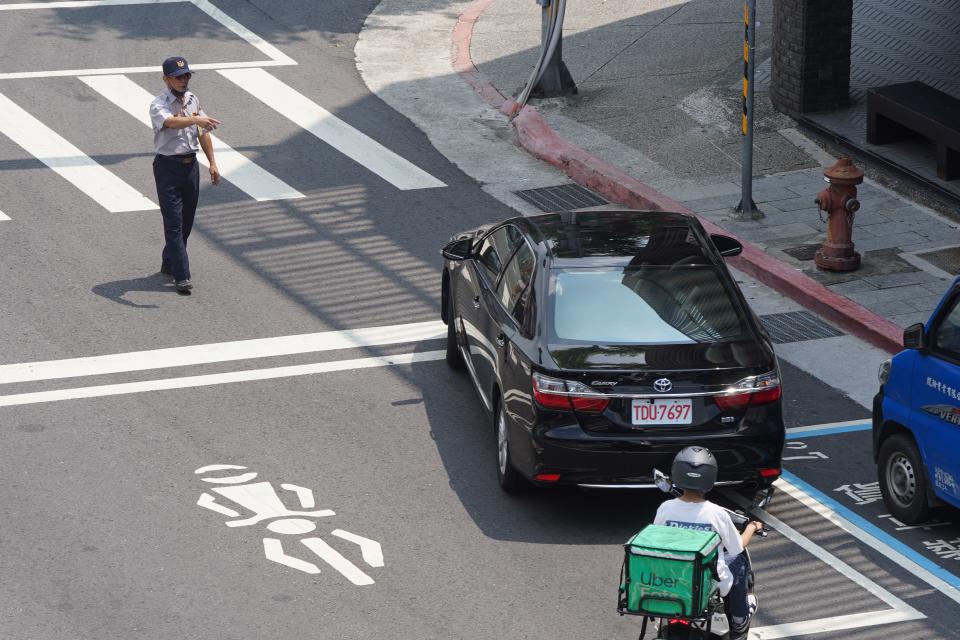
[[540, 140]]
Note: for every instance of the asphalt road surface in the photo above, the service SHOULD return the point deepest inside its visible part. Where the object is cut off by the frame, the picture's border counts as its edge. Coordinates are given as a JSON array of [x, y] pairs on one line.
[[135, 419]]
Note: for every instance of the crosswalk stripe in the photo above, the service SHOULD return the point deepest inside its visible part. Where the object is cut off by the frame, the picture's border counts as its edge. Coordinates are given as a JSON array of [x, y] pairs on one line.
[[338, 134], [56, 152], [3, 216], [234, 166]]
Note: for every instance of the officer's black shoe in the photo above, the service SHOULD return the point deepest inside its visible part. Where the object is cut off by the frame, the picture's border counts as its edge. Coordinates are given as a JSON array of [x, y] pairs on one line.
[[184, 286]]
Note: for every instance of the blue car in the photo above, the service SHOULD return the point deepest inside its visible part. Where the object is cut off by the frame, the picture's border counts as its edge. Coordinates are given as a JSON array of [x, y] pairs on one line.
[[916, 416]]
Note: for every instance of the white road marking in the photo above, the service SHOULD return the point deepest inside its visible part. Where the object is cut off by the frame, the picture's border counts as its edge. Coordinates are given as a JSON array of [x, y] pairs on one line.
[[215, 379], [234, 166], [218, 467], [827, 425], [304, 495], [3, 216], [276, 57], [207, 501], [337, 561], [836, 623], [899, 610], [871, 541], [243, 477], [220, 352], [56, 152], [273, 550], [338, 134], [371, 550]]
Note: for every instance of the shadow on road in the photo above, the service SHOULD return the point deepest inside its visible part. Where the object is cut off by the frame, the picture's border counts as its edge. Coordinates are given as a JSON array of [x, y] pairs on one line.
[[117, 289]]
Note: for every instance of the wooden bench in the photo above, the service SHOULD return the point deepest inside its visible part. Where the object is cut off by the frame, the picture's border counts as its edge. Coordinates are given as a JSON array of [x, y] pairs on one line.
[[900, 111]]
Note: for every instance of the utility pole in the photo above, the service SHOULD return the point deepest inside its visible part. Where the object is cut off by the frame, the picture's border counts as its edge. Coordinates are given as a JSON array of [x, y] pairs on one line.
[[747, 209], [556, 79]]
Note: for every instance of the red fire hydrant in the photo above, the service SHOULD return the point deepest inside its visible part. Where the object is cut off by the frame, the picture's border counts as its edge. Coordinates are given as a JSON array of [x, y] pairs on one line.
[[840, 202]]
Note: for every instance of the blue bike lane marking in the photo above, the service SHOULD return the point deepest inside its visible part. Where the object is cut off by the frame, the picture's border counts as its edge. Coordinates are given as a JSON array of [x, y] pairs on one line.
[[856, 520]]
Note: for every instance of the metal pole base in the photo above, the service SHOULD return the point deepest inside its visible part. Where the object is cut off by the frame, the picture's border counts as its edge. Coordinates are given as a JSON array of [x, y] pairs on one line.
[[556, 81], [750, 213]]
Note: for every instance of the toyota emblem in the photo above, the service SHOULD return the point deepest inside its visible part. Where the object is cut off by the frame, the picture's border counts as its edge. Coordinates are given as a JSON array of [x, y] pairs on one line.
[[663, 385]]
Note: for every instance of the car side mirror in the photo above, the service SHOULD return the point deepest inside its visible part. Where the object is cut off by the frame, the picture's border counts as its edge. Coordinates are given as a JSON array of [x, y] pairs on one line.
[[726, 245], [458, 249], [913, 337], [662, 481]]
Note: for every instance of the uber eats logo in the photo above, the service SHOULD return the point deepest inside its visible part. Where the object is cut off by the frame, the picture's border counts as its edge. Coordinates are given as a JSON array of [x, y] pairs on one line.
[[653, 580]]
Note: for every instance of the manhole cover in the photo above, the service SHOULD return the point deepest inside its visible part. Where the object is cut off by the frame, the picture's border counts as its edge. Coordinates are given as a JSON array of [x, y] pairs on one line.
[[797, 326], [803, 251], [565, 197], [944, 259]]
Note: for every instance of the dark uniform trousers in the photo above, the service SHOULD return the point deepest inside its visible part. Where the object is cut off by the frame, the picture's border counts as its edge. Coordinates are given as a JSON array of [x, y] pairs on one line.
[[178, 190]]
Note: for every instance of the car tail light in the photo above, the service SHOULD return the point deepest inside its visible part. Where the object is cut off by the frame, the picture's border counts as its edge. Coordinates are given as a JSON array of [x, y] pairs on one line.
[[769, 473], [567, 395], [752, 391], [547, 477]]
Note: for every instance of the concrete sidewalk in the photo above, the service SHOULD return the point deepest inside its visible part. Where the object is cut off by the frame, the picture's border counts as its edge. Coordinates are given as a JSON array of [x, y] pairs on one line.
[[656, 121]]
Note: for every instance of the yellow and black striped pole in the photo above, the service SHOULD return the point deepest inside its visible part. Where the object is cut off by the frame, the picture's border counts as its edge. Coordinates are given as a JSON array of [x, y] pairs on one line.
[[747, 208]]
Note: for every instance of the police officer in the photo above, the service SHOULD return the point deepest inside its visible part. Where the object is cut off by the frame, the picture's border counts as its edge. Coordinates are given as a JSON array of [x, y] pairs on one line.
[[180, 127]]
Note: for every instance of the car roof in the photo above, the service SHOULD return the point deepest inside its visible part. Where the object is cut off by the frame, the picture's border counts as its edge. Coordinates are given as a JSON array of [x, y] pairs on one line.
[[617, 237]]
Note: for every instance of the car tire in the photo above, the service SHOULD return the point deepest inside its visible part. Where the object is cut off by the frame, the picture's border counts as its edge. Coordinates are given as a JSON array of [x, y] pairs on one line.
[[454, 355], [903, 481], [509, 478]]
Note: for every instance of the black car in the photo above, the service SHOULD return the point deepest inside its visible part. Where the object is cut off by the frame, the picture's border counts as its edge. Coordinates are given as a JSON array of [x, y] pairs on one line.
[[602, 342]]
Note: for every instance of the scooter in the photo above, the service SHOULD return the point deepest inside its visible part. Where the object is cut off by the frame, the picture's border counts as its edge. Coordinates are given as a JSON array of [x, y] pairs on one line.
[[715, 623]]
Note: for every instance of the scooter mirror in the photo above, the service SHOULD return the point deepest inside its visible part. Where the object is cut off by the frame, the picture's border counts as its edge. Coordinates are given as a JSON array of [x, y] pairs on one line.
[[662, 481], [762, 498]]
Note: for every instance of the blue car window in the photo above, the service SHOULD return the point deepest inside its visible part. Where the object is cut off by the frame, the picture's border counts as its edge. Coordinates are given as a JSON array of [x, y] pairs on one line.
[[946, 339]]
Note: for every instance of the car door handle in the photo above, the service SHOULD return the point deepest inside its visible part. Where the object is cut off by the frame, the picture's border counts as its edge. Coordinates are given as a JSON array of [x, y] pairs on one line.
[[476, 302], [501, 340]]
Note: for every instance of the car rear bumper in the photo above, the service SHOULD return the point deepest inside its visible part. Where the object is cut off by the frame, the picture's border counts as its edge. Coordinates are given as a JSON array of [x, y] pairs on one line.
[[628, 462]]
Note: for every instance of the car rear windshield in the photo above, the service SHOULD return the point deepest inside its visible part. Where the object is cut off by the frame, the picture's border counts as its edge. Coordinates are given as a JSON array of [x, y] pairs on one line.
[[680, 305]]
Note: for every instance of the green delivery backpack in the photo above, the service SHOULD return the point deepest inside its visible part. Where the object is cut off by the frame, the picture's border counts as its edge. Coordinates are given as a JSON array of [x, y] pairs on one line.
[[669, 571]]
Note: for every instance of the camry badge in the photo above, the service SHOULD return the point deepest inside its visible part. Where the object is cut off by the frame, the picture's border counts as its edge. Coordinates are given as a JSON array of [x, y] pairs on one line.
[[604, 383], [663, 385]]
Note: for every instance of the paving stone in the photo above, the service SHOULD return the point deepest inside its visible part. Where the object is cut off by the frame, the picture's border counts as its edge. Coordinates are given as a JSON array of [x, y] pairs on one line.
[[936, 289], [701, 192], [771, 194], [906, 319], [888, 295], [713, 203], [901, 279], [854, 286], [888, 241], [891, 308], [811, 189], [927, 303], [795, 204]]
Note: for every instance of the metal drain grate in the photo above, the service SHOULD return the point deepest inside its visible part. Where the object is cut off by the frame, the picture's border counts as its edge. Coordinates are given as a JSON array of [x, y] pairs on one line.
[[565, 197], [803, 251], [797, 326], [944, 259]]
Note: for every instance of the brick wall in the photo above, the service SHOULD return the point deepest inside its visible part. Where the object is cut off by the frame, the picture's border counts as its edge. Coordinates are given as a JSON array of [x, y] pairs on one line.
[[811, 55]]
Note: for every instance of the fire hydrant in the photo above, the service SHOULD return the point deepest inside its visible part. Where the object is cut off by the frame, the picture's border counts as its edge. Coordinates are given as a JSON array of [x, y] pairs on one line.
[[840, 202]]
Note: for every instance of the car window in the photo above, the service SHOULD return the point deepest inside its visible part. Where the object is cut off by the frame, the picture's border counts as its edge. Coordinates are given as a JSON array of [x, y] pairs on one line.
[[515, 279], [496, 249], [946, 340], [647, 305]]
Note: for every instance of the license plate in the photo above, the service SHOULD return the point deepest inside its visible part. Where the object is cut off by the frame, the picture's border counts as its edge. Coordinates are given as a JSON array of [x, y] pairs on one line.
[[662, 411]]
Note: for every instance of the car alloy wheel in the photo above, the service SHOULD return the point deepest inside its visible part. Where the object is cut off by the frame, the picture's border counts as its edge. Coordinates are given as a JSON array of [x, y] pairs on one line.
[[509, 478]]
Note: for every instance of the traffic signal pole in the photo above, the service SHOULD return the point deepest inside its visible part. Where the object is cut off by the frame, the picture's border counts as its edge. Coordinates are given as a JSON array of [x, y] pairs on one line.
[[747, 208]]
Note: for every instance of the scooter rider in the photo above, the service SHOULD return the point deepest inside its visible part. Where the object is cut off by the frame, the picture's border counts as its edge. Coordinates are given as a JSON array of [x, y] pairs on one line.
[[694, 471]]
